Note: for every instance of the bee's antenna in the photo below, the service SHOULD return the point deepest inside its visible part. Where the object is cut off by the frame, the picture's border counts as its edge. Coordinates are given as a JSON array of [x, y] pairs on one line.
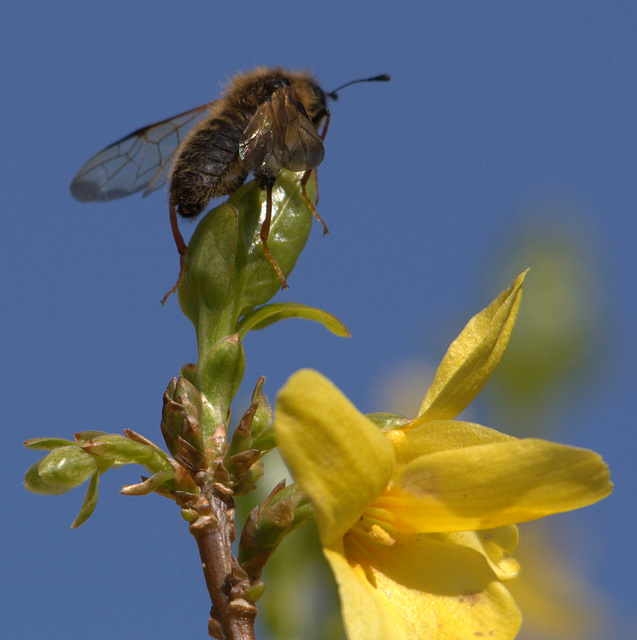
[[385, 77]]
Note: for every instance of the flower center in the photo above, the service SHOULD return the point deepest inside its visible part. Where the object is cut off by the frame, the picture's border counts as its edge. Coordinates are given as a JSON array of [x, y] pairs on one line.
[[373, 526]]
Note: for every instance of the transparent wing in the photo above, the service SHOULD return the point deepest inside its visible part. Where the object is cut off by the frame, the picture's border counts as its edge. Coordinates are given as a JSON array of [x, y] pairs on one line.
[[255, 147], [281, 134], [296, 144], [139, 161]]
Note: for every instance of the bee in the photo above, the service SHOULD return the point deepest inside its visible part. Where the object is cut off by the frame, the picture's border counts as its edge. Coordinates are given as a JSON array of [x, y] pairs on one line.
[[267, 120]]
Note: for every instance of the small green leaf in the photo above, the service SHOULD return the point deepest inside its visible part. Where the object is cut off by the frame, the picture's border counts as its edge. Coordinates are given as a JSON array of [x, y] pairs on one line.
[[60, 471], [90, 502], [120, 450], [34, 482], [149, 484], [271, 313], [48, 444], [265, 440], [292, 218], [85, 436]]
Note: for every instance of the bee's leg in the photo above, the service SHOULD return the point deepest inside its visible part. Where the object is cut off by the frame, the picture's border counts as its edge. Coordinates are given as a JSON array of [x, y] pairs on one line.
[[326, 125], [304, 179], [265, 232], [181, 247]]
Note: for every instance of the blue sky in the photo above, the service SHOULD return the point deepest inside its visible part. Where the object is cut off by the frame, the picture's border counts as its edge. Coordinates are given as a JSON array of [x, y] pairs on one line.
[[495, 111]]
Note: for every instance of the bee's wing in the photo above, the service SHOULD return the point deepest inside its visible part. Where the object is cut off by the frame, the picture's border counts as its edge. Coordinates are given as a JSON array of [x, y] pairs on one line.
[[281, 135], [139, 161], [296, 144], [255, 147]]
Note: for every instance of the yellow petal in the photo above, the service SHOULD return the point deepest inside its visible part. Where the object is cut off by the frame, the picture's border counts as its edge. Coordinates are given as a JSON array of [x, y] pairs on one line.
[[366, 614], [439, 435], [472, 357], [492, 485], [421, 588], [496, 545], [340, 459]]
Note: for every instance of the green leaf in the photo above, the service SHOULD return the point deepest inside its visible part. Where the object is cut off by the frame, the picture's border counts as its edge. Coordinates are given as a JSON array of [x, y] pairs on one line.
[[90, 502], [210, 264], [47, 444], [60, 471], [148, 485], [292, 218], [85, 436], [34, 482], [271, 313], [115, 449]]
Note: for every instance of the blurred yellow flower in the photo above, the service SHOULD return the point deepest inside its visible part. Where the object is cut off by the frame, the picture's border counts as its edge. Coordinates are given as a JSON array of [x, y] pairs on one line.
[[417, 522]]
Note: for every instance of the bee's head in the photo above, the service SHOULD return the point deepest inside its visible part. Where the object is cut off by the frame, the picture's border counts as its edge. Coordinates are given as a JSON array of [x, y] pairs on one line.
[[310, 94]]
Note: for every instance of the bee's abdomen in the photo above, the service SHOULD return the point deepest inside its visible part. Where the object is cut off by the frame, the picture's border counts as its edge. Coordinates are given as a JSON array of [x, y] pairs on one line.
[[208, 166]]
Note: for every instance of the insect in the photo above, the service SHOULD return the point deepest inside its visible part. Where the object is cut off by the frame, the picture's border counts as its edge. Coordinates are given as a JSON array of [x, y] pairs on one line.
[[267, 120]]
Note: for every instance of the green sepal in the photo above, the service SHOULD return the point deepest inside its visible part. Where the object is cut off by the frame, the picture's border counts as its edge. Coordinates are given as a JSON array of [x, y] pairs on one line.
[[220, 373], [271, 313], [63, 469]]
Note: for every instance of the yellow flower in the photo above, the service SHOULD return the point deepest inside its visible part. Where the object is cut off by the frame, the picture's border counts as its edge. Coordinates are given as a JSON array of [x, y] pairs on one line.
[[417, 523]]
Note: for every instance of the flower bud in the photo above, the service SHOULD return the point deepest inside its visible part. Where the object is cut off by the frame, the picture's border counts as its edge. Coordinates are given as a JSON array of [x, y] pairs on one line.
[[210, 263], [263, 414], [226, 271], [266, 526], [292, 217], [181, 422]]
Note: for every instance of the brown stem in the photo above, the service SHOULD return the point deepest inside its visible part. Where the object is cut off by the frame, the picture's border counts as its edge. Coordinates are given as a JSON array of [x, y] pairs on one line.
[[231, 617]]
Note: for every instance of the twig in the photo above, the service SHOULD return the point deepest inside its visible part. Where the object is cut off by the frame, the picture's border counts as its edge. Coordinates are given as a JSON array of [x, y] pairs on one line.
[[232, 616]]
